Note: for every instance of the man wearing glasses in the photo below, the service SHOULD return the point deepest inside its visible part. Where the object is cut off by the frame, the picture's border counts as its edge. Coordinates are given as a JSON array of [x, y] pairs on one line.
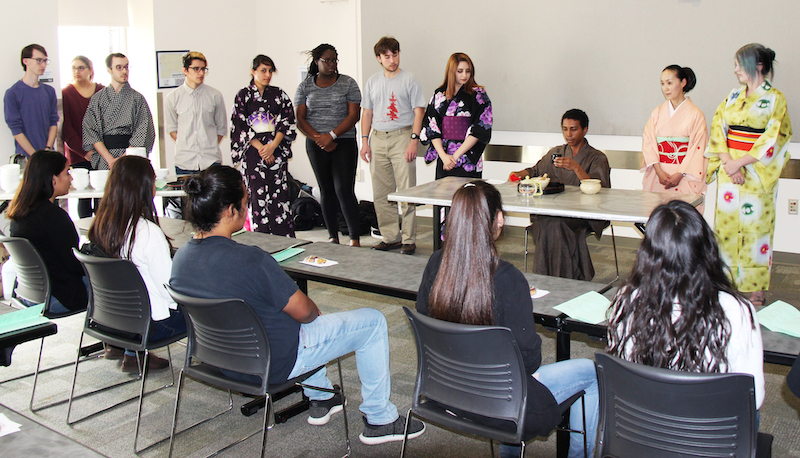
[[30, 107], [117, 118], [195, 118]]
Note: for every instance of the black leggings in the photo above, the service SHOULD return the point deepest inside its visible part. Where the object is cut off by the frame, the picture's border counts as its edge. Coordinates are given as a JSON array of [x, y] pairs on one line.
[[336, 176]]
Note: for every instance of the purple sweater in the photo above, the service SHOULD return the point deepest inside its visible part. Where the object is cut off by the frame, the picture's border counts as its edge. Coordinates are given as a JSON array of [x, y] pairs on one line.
[[30, 111]]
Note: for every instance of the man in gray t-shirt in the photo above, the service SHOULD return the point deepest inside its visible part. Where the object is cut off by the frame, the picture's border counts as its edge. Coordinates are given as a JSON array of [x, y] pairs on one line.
[[393, 107]]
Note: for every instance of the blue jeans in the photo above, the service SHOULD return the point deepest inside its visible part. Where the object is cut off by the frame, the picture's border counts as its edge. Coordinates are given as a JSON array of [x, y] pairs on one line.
[[337, 334], [55, 305], [167, 327], [564, 379]]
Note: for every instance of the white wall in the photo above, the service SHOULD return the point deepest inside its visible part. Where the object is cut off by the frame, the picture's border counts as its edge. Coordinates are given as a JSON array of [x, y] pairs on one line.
[[231, 36]]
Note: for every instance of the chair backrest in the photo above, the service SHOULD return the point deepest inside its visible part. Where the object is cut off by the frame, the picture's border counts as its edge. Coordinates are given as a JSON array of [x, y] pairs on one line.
[[476, 369], [33, 282], [118, 298], [226, 334], [654, 412]]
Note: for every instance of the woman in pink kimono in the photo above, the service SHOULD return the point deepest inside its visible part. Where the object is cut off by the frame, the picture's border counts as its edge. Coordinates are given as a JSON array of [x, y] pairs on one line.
[[675, 138]]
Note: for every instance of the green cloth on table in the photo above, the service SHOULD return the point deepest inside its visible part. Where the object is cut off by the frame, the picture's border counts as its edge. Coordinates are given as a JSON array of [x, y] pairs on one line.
[[590, 308]]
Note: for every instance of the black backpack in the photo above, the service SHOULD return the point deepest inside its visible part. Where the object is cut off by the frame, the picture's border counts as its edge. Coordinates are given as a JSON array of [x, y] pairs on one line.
[[306, 214]]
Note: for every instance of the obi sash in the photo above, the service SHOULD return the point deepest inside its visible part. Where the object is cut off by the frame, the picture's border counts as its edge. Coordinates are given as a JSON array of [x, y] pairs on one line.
[[743, 137], [455, 127], [672, 150], [121, 141]]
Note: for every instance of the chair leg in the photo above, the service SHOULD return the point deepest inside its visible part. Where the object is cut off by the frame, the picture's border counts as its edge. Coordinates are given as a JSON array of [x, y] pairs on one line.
[[491, 447], [405, 433], [36, 374], [141, 400], [267, 410], [583, 414], [175, 413], [522, 449], [344, 407], [74, 378]]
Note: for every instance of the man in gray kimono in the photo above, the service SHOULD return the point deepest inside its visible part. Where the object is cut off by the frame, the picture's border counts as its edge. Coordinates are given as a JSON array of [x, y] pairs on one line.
[[561, 248], [117, 118]]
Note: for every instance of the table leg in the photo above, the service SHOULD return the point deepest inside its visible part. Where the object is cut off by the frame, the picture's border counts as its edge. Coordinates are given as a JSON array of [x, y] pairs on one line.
[[562, 354], [302, 284], [437, 228]]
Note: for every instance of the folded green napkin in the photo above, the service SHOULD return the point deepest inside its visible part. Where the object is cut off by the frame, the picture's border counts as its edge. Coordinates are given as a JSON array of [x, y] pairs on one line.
[[780, 317], [287, 253], [590, 307], [21, 319]]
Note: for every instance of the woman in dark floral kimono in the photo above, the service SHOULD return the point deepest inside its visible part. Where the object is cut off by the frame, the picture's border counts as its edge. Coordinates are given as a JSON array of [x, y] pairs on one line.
[[458, 122], [262, 131]]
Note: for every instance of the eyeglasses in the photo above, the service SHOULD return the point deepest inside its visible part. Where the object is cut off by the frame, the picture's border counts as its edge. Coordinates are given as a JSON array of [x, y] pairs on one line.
[[39, 60], [199, 69], [120, 67], [79, 69], [329, 61]]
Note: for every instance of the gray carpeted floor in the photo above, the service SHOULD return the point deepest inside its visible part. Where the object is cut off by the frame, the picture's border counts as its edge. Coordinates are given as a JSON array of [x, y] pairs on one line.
[[111, 433]]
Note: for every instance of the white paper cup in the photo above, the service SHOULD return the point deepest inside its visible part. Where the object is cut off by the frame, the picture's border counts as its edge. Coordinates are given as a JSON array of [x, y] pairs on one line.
[[98, 178], [9, 177]]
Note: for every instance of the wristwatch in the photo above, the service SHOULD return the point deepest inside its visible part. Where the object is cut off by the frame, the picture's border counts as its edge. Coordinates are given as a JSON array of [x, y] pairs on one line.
[[414, 137]]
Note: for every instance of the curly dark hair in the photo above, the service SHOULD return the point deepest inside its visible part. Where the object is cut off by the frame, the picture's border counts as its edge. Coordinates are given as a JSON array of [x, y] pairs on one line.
[[678, 262]]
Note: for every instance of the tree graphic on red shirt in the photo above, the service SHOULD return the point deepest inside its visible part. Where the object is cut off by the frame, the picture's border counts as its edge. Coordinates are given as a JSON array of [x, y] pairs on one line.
[[393, 108]]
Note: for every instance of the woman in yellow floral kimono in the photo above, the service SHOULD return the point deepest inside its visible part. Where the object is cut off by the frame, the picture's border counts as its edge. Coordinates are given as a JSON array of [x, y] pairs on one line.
[[747, 151]]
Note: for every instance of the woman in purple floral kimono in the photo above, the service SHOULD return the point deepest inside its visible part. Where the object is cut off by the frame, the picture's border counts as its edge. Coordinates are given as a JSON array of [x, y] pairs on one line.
[[262, 131], [458, 122]]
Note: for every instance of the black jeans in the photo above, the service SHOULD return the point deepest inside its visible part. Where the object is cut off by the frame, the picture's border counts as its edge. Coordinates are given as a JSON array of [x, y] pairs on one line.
[[336, 176]]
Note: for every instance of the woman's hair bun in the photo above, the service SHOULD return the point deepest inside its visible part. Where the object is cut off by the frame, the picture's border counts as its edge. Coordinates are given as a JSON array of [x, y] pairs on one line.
[[193, 185]]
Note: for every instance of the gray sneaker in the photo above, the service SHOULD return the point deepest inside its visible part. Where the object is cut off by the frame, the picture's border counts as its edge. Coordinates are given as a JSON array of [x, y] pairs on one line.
[[319, 412], [374, 435]]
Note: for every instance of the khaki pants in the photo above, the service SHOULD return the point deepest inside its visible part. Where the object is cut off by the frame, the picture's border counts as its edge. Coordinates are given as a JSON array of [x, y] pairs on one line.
[[390, 172]]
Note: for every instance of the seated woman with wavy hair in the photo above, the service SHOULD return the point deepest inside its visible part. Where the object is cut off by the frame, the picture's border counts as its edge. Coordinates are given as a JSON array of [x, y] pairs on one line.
[[678, 309]]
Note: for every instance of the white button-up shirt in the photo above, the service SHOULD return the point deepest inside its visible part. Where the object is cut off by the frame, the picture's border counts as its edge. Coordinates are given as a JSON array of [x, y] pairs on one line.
[[198, 116]]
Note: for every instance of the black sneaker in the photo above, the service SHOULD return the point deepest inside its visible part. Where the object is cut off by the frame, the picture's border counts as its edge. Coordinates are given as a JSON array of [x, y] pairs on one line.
[[374, 435], [319, 412]]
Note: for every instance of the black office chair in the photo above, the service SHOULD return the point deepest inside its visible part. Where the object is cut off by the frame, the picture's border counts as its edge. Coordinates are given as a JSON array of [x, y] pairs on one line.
[[466, 371], [654, 412], [119, 315], [33, 285], [226, 334]]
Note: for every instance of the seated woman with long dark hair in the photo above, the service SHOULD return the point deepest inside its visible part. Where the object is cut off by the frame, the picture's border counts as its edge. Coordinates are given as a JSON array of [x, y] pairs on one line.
[[35, 216], [466, 282], [678, 309], [126, 226]]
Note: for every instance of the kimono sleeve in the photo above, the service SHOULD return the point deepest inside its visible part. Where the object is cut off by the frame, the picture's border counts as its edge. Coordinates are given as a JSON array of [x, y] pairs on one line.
[[481, 127], [92, 125], [432, 122], [771, 147], [717, 142], [143, 133], [649, 142], [286, 122], [241, 133], [694, 164]]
